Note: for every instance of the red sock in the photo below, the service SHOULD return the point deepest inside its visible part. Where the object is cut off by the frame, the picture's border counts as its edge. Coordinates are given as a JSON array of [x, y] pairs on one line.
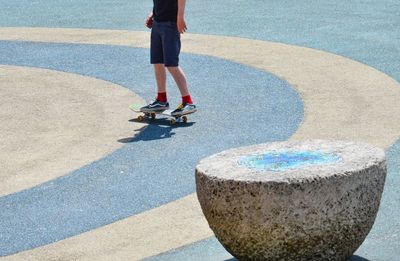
[[187, 99], [162, 96]]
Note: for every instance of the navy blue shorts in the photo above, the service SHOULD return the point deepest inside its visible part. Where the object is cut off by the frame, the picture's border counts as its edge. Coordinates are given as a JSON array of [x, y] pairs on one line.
[[165, 44]]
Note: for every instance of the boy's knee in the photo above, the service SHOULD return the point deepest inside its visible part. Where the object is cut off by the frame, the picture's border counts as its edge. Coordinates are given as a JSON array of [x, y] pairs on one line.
[[172, 67], [158, 65]]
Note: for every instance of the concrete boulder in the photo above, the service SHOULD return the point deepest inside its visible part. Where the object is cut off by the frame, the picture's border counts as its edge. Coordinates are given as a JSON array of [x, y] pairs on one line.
[[299, 200]]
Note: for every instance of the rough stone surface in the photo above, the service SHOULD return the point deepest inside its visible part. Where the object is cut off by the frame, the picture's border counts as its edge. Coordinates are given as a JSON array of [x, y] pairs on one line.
[[314, 212]]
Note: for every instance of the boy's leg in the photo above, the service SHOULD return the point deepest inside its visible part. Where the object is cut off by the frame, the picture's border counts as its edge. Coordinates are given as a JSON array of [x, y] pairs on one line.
[[180, 79], [171, 49], [161, 79], [187, 105], [157, 59], [161, 102]]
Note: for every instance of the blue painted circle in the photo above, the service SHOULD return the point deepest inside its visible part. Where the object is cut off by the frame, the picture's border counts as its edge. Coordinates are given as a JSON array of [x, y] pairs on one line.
[[287, 160]]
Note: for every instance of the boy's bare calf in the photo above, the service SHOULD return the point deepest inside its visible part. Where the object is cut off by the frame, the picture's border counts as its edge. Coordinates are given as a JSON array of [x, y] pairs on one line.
[[180, 79]]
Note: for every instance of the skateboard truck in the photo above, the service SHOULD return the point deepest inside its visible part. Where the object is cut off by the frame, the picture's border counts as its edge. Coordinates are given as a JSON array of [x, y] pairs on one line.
[[173, 119], [152, 115]]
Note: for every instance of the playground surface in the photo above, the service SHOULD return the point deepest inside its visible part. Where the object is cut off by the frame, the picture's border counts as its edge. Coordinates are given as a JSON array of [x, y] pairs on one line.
[[82, 180]]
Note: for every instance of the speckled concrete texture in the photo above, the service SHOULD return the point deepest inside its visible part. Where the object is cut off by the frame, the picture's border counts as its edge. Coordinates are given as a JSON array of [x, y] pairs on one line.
[[342, 99], [319, 122], [316, 212]]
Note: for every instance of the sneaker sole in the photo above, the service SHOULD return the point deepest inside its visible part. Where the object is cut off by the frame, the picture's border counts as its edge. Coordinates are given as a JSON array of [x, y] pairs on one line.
[[155, 110], [185, 113]]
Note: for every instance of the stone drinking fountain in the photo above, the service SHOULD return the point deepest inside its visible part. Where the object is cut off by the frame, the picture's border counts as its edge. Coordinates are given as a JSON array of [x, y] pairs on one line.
[[299, 200]]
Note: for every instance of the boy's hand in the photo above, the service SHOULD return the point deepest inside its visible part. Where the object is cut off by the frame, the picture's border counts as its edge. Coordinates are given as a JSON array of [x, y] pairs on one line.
[[181, 24], [149, 21]]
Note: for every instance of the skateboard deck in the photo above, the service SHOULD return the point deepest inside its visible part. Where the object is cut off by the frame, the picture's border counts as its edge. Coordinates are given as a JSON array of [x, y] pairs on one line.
[[152, 115]]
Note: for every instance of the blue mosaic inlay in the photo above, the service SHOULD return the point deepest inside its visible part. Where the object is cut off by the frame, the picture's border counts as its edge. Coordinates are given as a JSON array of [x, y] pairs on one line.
[[286, 160]]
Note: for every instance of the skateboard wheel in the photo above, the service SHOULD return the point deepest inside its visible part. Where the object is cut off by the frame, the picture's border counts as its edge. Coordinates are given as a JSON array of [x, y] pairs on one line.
[[172, 121], [185, 119], [140, 118], [153, 116]]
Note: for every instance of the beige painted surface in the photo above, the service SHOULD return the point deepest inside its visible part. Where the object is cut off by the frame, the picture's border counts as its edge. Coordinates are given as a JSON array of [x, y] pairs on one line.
[[132, 238], [53, 123], [343, 99]]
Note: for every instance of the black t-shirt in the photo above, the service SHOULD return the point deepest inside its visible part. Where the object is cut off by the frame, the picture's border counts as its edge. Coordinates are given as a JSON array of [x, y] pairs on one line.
[[165, 10]]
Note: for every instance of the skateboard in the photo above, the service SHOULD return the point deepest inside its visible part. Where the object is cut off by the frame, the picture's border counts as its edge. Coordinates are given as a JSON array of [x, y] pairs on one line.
[[152, 115]]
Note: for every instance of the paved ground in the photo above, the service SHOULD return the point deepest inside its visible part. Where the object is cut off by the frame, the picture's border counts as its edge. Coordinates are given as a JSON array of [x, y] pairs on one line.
[[78, 182]]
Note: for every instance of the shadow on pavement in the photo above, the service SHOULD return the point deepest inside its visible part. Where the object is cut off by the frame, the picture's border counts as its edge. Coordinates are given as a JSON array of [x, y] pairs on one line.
[[157, 129]]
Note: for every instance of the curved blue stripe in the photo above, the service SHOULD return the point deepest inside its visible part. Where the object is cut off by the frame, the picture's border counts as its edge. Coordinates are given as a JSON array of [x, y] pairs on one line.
[[238, 105]]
